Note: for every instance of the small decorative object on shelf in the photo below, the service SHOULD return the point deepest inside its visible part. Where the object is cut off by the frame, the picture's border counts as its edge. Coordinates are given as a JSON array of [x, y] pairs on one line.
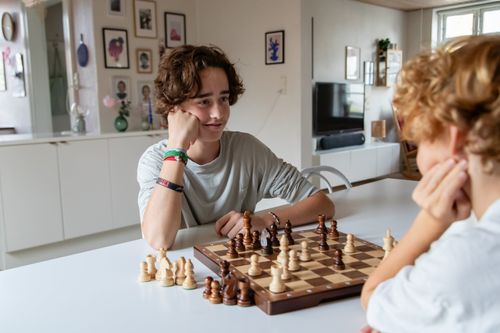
[[79, 114], [378, 130], [121, 123]]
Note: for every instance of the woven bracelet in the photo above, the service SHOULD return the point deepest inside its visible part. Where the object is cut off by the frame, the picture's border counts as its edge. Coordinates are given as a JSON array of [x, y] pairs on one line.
[[172, 186]]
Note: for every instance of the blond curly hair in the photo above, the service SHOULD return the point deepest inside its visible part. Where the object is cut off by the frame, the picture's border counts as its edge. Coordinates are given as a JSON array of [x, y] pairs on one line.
[[457, 84]]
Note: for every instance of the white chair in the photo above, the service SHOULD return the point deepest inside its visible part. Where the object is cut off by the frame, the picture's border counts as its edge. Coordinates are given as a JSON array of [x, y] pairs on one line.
[[317, 170]]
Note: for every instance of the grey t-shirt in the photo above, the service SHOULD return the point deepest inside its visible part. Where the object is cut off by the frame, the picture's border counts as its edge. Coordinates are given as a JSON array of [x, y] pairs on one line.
[[245, 172]]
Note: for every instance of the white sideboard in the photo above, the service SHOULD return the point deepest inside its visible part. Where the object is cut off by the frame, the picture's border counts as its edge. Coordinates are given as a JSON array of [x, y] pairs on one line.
[[357, 163], [57, 189]]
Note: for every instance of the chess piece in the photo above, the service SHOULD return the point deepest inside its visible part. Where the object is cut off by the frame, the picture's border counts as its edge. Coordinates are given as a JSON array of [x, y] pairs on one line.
[[256, 245], [388, 243], [333, 232], [189, 282], [247, 231], [167, 264], [277, 286], [304, 254], [240, 247], [215, 297], [288, 232], [254, 269], [143, 275], [349, 244], [150, 261], [273, 231], [166, 276], [338, 263], [244, 297], [231, 249], [323, 245], [224, 268], [179, 271], [284, 243], [283, 255], [208, 287], [293, 264], [321, 224], [230, 291], [268, 249], [162, 253], [285, 273]]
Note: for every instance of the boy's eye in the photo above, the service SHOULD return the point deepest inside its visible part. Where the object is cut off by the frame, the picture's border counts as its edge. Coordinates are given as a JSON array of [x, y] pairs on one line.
[[224, 99], [204, 102]]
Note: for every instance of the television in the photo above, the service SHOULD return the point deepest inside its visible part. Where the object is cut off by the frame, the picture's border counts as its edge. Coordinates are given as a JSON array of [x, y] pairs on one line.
[[338, 108]]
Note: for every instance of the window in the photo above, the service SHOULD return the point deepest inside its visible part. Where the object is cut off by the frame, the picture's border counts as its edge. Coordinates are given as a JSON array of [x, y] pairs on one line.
[[474, 20]]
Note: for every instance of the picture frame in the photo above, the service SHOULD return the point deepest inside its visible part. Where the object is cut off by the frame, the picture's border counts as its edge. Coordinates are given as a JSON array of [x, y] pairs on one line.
[[175, 29], [144, 59], [3, 80], [275, 47], [394, 62], [120, 86], [115, 7], [145, 18], [115, 48], [352, 63]]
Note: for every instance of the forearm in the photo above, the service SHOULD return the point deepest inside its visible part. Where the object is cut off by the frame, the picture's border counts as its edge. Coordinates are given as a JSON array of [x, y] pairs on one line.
[[422, 233], [162, 216], [305, 211]]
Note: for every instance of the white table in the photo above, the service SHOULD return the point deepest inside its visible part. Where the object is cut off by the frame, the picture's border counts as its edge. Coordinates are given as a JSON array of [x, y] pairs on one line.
[[96, 291]]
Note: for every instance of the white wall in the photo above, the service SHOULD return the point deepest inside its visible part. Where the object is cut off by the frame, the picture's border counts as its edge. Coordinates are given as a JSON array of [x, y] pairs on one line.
[[338, 23]]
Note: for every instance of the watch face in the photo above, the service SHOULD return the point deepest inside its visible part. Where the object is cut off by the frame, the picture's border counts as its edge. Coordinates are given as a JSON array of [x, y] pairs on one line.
[[7, 26]]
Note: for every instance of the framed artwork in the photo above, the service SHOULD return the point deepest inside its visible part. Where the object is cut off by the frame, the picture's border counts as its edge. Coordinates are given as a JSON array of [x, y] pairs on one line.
[[115, 7], [144, 60], [18, 86], [145, 18], [115, 48], [352, 57], [175, 29], [369, 77], [275, 47], [3, 81], [120, 87], [393, 65]]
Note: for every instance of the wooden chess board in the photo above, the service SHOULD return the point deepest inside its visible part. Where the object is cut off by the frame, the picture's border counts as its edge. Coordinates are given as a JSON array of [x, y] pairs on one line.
[[317, 280]]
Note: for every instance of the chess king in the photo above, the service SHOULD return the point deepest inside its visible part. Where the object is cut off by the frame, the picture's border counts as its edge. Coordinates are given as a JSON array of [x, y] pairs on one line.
[[449, 99], [203, 173]]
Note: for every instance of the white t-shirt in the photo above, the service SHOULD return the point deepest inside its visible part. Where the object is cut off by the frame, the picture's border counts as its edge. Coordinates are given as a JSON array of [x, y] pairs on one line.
[[454, 287], [245, 172]]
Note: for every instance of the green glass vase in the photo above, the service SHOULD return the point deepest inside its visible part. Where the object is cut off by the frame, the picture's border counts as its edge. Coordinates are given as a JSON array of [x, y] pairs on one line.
[[121, 123]]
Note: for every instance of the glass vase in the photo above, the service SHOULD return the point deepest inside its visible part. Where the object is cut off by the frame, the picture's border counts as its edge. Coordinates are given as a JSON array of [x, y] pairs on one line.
[[121, 123]]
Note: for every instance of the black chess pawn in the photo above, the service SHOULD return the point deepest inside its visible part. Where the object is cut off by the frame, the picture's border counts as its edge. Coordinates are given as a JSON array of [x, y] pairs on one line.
[[321, 228], [274, 234], [323, 245], [338, 264], [239, 243], [256, 240], [208, 287], [268, 249], [333, 232], [231, 250], [288, 232]]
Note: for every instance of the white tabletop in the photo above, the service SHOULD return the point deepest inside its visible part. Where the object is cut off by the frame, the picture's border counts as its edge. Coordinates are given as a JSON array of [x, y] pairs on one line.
[[97, 291]]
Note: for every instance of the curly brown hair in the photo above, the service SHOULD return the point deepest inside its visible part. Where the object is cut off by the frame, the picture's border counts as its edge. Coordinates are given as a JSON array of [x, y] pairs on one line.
[[179, 75], [457, 84]]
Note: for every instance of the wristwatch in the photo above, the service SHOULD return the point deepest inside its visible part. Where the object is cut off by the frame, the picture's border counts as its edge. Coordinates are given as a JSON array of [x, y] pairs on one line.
[[8, 26]]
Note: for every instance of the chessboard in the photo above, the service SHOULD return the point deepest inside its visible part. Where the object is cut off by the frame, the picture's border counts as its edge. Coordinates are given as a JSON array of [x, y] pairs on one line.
[[316, 281]]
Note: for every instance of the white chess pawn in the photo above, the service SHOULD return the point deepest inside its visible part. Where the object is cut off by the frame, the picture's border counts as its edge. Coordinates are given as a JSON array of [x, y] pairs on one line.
[[143, 275], [277, 286], [254, 269], [304, 254], [293, 264], [150, 261], [179, 271], [349, 245], [284, 243], [189, 282], [285, 273], [282, 256]]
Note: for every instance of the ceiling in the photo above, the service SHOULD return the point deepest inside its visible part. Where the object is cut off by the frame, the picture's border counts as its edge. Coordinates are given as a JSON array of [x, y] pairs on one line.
[[415, 4]]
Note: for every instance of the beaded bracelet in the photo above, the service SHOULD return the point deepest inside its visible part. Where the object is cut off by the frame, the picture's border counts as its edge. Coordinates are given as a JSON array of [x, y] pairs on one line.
[[169, 185]]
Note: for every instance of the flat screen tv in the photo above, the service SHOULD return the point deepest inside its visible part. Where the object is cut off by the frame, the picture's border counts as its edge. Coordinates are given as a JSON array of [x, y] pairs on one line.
[[337, 108]]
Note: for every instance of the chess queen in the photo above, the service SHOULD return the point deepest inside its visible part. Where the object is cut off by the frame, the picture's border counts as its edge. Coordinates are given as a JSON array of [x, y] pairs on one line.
[[204, 173]]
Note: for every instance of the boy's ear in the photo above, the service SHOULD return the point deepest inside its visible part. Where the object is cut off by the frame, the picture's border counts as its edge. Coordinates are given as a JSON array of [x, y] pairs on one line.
[[457, 141]]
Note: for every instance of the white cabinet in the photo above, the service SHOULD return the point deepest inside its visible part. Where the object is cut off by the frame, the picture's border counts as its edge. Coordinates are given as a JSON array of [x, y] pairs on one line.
[[31, 198], [124, 154], [85, 187]]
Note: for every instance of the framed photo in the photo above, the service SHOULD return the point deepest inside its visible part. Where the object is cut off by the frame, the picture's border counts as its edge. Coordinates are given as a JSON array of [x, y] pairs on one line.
[[115, 48], [275, 47], [3, 81], [175, 30], [144, 60], [352, 57], [145, 18], [115, 7], [120, 86]]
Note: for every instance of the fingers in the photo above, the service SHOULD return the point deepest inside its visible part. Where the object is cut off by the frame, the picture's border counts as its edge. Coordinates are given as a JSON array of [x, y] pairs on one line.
[[431, 180], [220, 223], [233, 225]]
